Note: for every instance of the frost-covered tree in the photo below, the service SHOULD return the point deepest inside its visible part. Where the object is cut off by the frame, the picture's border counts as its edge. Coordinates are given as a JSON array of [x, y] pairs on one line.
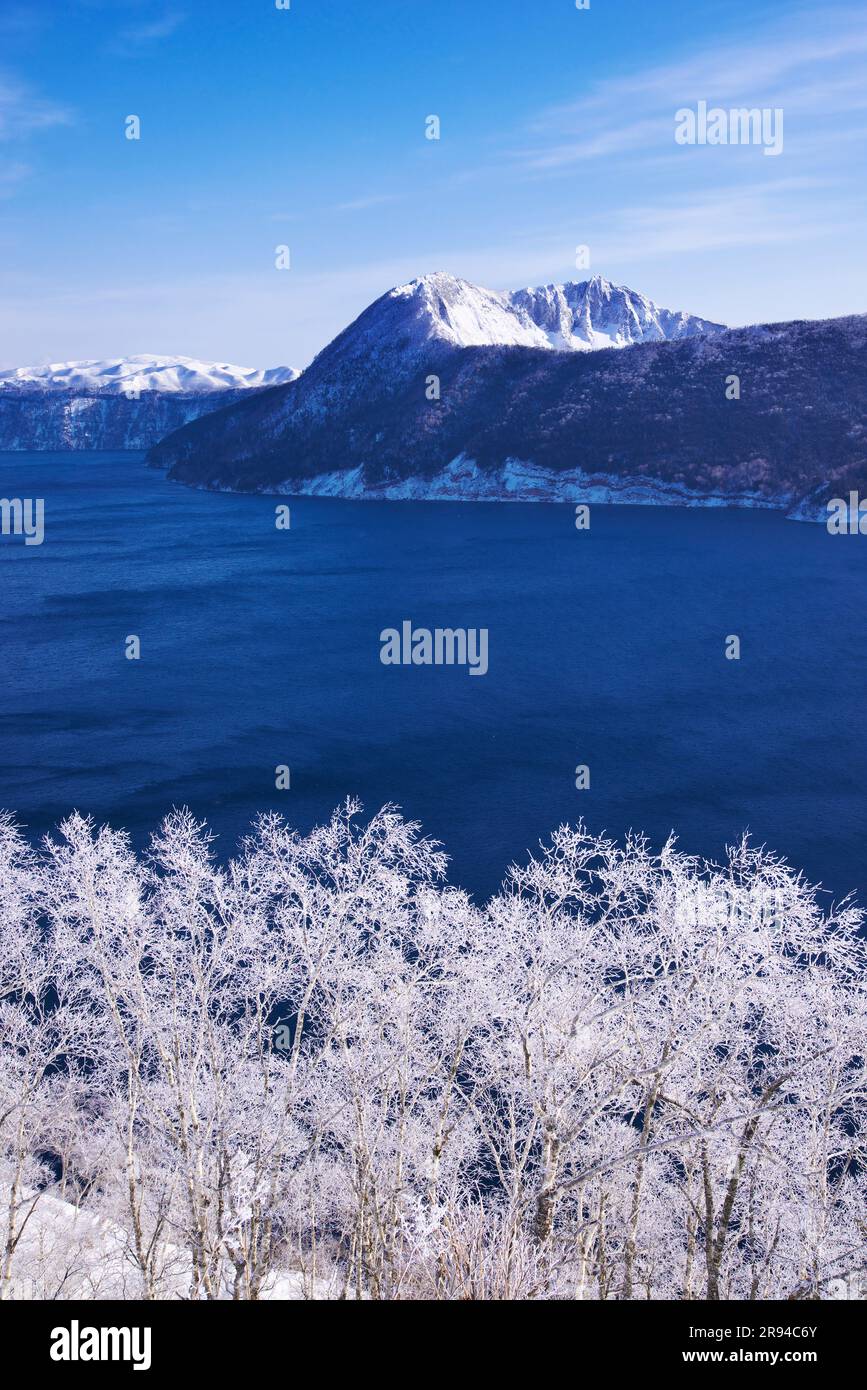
[[630, 1075]]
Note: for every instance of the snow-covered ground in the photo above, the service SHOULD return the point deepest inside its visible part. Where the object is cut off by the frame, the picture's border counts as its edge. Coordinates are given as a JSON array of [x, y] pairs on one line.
[[66, 1252]]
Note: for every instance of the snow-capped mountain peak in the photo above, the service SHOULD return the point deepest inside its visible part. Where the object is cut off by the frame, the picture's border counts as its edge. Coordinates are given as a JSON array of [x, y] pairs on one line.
[[595, 313], [146, 372], [464, 314]]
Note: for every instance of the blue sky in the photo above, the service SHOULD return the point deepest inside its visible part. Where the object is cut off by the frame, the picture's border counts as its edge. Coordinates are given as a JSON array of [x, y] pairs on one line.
[[306, 127]]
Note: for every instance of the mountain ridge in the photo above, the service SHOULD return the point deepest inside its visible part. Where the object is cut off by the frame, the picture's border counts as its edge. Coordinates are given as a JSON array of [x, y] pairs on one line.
[[650, 421], [120, 402], [416, 326], [142, 372], [575, 316], [443, 389]]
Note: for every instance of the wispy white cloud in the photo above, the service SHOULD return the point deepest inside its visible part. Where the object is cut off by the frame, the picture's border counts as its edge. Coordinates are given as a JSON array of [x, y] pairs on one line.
[[598, 143], [373, 200], [136, 37], [813, 65], [718, 219], [23, 110]]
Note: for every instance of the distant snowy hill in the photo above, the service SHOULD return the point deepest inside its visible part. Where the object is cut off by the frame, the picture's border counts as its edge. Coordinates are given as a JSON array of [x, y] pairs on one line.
[[119, 403], [121, 375]]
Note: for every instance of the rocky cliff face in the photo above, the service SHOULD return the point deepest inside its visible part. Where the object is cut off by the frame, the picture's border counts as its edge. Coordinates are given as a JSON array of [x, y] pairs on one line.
[[596, 314], [34, 420]]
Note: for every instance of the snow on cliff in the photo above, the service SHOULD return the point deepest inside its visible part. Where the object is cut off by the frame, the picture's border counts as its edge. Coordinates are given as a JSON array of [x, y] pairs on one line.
[[575, 317]]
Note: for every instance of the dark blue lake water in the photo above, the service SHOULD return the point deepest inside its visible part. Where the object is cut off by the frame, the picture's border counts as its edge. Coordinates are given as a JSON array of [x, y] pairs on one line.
[[260, 647]]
